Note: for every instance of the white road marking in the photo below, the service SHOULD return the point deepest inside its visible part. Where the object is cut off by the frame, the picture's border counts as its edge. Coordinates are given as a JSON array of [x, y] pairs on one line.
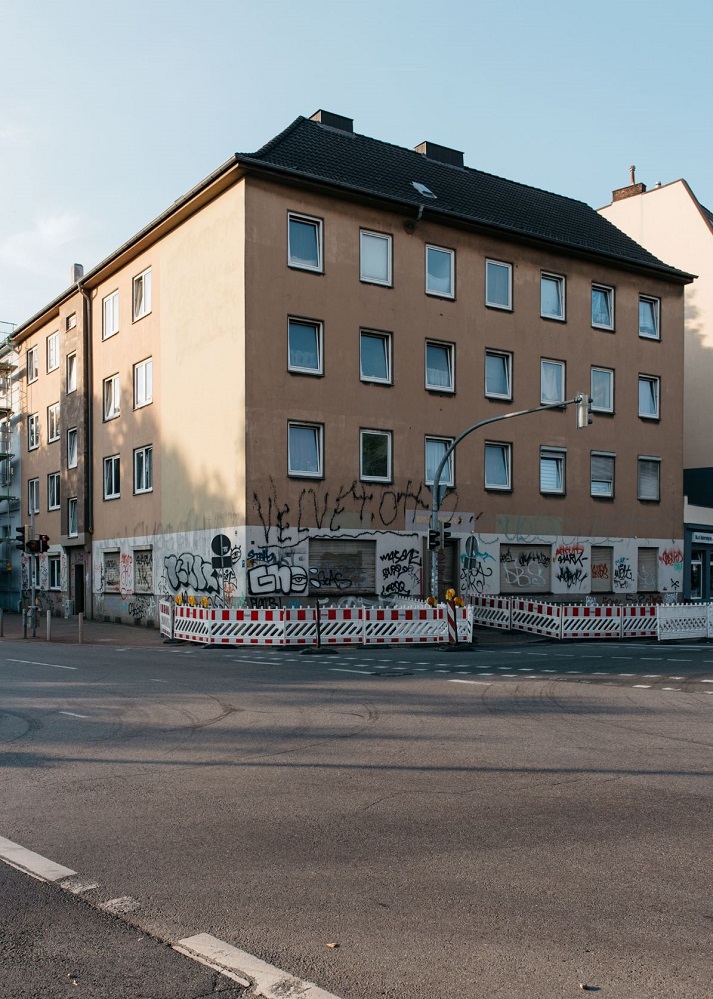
[[657, 659], [564, 655], [621, 657], [25, 860], [646, 686], [492, 674], [267, 980], [539, 654], [626, 674], [651, 676], [158, 681], [361, 672], [672, 688], [31, 662], [677, 678], [72, 714], [592, 657], [678, 660], [482, 683], [706, 681], [573, 672]]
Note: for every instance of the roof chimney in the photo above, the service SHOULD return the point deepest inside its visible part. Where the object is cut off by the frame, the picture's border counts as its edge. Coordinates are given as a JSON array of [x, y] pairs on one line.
[[77, 273], [631, 190], [332, 120], [432, 151]]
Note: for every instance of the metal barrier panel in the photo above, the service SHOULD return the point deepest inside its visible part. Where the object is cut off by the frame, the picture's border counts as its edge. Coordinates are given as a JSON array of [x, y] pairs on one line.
[[464, 623], [682, 621], [300, 626], [341, 626], [492, 612], [404, 626], [583, 621], [537, 618], [164, 618], [192, 624], [638, 620], [248, 627]]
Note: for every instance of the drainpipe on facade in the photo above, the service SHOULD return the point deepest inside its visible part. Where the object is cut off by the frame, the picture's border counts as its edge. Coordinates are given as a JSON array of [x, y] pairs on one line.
[[89, 463]]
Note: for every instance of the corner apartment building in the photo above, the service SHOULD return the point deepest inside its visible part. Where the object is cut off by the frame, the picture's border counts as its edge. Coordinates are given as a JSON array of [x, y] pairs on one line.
[[671, 222], [247, 401]]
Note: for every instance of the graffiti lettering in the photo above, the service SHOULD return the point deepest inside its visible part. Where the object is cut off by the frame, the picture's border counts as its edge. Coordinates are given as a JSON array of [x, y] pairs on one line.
[[193, 572], [622, 573], [570, 555], [273, 578], [672, 556], [328, 577], [126, 572], [571, 577], [600, 570]]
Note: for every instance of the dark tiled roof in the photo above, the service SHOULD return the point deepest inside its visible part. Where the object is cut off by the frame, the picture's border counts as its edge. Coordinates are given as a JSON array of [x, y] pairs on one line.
[[358, 163]]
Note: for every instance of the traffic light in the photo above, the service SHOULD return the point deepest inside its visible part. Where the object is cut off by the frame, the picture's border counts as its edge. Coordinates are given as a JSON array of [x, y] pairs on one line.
[[445, 533], [434, 538], [32, 546], [20, 538], [44, 543], [584, 410]]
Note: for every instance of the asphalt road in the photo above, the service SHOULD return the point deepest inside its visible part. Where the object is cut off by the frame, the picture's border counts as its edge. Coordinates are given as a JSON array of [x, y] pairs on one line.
[[490, 823]]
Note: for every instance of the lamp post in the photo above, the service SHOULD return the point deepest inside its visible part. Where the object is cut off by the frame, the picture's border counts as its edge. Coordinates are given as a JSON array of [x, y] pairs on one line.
[[583, 403]]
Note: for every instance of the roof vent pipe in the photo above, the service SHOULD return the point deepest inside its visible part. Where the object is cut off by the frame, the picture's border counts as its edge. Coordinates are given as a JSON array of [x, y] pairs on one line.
[[76, 274]]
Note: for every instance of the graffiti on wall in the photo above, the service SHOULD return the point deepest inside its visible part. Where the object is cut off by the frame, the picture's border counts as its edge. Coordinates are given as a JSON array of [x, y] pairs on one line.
[[571, 562], [623, 574], [474, 568], [529, 570], [400, 572], [190, 574]]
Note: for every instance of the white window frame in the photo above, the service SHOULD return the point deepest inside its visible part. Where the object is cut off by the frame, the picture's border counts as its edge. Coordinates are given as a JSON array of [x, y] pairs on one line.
[[367, 234], [33, 495], [450, 352], [506, 449], [72, 519], [375, 433], [608, 292], [147, 486], [562, 367], [111, 399], [53, 351], [559, 280], [599, 493], [318, 430], [653, 462], [54, 572], [33, 431], [53, 432], [655, 382], [386, 340], [141, 295], [71, 372], [610, 373], [113, 585], [143, 380], [490, 302], [72, 459], [318, 328], [448, 473], [656, 303], [506, 357], [53, 487], [110, 314], [112, 481], [32, 364], [558, 457], [437, 292], [315, 223], [143, 586], [70, 322]]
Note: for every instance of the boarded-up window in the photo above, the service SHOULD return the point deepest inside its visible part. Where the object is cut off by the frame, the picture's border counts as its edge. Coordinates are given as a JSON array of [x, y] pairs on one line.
[[143, 570], [111, 572], [525, 568], [601, 566], [647, 578], [342, 567]]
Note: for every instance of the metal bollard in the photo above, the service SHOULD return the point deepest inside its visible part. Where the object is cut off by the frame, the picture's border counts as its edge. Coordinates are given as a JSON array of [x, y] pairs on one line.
[[49, 625], [24, 622], [80, 621]]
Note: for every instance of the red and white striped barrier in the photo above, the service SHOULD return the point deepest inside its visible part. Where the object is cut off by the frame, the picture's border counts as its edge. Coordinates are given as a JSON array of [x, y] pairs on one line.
[[537, 618], [638, 620], [398, 625], [584, 621], [491, 612]]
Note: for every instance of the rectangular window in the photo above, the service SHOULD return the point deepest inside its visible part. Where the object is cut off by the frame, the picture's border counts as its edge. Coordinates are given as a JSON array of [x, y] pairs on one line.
[[143, 469], [440, 266], [304, 346], [647, 570], [336, 563], [601, 568], [649, 386], [53, 351], [552, 296], [71, 373], [374, 257], [304, 242], [602, 307], [141, 295], [305, 450], [601, 475], [498, 466], [33, 366], [71, 321], [143, 383], [53, 491], [72, 453], [375, 357], [525, 568], [435, 450], [110, 314], [143, 570], [112, 477], [552, 375], [498, 374], [55, 572], [649, 311], [72, 519], [33, 432], [111, 573], [552, 470], [602, 390], [33, 495], [375, 455], [53, 422], [498, 284], [649, 479], [110, 394], [439, 366]]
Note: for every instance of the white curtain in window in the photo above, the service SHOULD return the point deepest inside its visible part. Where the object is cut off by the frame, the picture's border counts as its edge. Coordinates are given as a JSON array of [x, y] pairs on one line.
[[497, 380], [438, 366], [552, 382], [551, 468], [304, 247], [434, 453], [497, 472], [304, 449], [374, 258], [648, 397], [439, 263], [497, 284]]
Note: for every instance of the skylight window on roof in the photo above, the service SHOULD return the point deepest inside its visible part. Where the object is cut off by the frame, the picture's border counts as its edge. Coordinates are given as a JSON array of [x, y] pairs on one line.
[[423, 190]]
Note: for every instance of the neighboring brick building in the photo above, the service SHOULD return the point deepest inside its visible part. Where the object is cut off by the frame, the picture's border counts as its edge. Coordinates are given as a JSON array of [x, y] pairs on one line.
[[268, 373]]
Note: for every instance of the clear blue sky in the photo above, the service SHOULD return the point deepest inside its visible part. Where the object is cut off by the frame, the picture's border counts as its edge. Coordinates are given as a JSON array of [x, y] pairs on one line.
[[110, 111]]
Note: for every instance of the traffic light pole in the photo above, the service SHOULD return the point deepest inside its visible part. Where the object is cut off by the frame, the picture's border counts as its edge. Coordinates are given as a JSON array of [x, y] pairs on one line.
[[33, 577], [581, 400]]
